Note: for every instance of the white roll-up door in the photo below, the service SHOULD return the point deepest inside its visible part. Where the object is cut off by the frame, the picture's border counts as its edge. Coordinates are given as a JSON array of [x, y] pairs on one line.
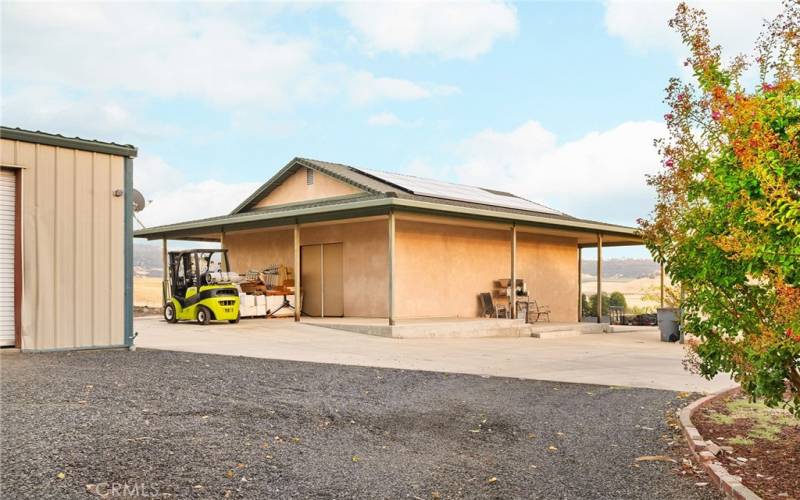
[[8, 214]]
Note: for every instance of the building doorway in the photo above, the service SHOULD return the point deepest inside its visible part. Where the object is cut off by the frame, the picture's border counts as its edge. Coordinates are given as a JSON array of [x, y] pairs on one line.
[[321, 279]]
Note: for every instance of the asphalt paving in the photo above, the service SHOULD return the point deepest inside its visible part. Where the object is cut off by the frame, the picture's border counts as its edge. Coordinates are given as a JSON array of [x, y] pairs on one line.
[[165, 424]]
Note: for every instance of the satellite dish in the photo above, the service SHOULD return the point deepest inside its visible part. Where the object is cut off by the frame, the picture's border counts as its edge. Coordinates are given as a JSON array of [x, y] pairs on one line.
[[138, 201]]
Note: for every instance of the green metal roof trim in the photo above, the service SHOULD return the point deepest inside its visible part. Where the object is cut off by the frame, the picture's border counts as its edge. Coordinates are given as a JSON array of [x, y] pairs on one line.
[[347, 207], [38, 137]]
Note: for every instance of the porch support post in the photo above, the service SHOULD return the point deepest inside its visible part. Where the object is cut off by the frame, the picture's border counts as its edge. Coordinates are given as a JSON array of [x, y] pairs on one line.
[[296, 238], [662, 284], [580, 286], [599, 278], [391, 259], [165, 275], [513, 298]]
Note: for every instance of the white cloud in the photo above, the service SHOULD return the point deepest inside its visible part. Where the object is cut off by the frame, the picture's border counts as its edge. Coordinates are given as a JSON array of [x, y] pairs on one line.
[[644, 25], [194, 200], [91, 116], [220, 56], [599, 176], [366, 87], [175, 199], [384, 120], [462, 30]]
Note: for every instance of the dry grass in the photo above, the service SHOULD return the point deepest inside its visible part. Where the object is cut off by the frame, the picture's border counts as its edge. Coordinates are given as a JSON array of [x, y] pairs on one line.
[[633, 290], [147, 291]]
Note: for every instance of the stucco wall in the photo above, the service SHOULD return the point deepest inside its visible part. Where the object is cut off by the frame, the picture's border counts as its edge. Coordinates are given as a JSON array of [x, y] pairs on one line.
[[259, 249], [364, 259], [295, 189], [73, 246], [441, 269], [550, 267]]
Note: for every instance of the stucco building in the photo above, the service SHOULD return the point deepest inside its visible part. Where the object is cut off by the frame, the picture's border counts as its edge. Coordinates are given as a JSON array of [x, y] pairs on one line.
[[66, 242], [383, 245]]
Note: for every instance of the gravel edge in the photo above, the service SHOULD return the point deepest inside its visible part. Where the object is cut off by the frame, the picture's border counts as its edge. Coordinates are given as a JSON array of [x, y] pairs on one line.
[[705, 451]]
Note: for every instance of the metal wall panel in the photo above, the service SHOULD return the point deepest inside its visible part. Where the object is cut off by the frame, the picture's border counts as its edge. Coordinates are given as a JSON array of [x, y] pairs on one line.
[[73, 246]]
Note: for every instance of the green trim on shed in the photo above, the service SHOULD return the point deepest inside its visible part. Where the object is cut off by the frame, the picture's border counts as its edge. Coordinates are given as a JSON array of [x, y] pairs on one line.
[[38, 137], [128, 250]]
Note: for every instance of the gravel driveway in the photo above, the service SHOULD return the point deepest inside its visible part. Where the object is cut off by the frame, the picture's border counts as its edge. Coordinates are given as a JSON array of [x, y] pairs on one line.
[[194, 425]]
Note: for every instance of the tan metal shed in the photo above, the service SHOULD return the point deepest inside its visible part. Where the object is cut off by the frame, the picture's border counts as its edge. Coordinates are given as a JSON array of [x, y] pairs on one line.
[[67, 232]]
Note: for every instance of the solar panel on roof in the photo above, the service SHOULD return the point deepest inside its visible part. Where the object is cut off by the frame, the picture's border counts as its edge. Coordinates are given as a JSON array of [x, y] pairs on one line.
[[459, 192]]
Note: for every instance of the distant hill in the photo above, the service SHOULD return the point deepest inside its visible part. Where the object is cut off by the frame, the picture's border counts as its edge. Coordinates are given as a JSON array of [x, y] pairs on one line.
[[147, 259], [622, 268]]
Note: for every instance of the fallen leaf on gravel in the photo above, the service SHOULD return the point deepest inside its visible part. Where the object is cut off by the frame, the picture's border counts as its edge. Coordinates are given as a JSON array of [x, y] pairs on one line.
[[240, 466], [355, 458], [560, 433], [436, 495], [655, 458], [91, 488], [61, 475], [268, 457], [492, 480], [531, 436], [552, 448], [296, 439], [230, 473]]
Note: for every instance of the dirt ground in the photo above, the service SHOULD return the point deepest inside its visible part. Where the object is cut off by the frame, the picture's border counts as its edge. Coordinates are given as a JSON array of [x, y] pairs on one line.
[[207, 426], [765, 442]]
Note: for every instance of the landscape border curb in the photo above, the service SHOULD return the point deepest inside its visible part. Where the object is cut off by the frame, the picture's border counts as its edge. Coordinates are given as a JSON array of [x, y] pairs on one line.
[[701, 449]]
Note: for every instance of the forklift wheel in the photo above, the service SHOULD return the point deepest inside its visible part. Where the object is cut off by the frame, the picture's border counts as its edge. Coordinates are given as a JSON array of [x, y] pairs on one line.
[[238, 316], [169, 314], [203, 315]]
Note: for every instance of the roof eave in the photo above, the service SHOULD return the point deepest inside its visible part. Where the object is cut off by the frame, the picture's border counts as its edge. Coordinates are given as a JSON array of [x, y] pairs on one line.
[[353, 209], [36, 137]]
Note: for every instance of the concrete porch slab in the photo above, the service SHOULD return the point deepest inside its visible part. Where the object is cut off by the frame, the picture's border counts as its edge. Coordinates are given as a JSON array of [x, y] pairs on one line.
[[427, 328], [458, 328]]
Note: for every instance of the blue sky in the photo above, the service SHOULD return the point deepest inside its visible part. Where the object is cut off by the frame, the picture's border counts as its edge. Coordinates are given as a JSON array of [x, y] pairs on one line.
[[558, 102]]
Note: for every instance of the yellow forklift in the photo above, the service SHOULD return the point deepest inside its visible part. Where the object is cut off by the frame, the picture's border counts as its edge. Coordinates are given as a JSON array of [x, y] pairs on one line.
[[201, 288]]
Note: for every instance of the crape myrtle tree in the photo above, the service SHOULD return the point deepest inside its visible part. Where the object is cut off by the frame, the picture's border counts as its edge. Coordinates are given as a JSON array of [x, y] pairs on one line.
[[726, 223]]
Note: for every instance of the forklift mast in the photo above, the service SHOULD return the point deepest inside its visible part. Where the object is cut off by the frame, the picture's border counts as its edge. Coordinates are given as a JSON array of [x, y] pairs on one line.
[[186, 267]]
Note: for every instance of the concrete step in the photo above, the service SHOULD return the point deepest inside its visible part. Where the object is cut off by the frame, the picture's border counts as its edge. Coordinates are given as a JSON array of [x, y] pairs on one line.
[[556, 334], [437, 329], [566, 330]]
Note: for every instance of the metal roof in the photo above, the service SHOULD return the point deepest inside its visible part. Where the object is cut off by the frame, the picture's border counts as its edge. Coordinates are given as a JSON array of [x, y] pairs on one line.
[[39, 137], [378, 197]]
